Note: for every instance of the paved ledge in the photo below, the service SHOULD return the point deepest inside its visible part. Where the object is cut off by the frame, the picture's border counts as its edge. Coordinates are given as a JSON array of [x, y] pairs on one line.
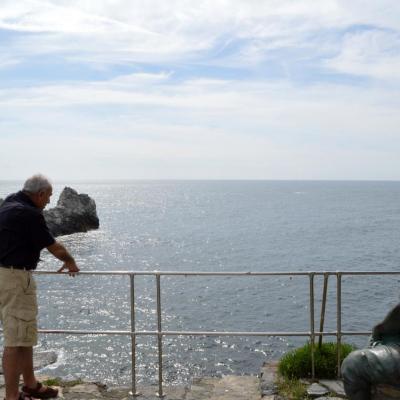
[[225, 388], [229, 387]]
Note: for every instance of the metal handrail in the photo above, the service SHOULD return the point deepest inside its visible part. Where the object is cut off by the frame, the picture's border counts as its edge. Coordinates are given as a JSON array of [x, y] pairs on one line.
[[159, 333]]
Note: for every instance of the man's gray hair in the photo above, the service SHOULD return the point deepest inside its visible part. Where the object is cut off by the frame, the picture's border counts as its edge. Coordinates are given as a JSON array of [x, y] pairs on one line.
[[36, 184]]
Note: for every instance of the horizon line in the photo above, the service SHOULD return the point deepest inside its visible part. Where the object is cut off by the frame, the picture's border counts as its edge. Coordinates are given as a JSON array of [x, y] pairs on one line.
[[90, 180]]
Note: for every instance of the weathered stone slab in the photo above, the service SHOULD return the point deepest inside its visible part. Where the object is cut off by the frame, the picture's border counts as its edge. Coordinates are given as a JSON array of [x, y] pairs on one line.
[[272, 397], [116, 393], [226, 388], [90, 388], [316, 390], [146, 393], [170, 392], [329, 398], [335, 386], [80, 396], [268, 378]]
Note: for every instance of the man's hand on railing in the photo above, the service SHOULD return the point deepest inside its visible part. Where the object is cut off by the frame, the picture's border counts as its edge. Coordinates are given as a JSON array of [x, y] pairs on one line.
[[71, 267], [60, 252]]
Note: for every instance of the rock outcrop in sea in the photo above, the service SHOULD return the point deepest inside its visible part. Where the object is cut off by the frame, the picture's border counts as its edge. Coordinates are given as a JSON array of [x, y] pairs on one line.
[[73, 213]]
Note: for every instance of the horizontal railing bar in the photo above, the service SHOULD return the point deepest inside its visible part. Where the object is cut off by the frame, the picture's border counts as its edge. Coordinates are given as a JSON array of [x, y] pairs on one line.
[[174, 333], [214, 333], [367, 273], [178, 273], [226, 273], [85, 332], [194, 333]]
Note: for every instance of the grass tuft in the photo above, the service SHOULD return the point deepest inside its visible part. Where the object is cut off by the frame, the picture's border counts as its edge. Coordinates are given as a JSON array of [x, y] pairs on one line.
[[297, 363], [291, 389], [52, 382], [59, 382]]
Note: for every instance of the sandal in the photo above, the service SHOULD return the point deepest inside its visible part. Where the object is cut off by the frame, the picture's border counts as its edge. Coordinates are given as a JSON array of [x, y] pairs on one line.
[[40, 391], [23, 396]]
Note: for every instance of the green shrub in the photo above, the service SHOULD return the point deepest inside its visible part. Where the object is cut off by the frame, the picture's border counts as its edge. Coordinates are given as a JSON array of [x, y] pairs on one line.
[[297, 363]]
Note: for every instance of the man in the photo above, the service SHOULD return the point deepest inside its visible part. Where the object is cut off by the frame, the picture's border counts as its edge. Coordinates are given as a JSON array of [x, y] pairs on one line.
[[378, 364], [23, 234]]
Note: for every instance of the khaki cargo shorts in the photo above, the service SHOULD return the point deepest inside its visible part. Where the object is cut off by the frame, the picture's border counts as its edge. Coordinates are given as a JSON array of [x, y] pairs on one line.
[[18, 307]]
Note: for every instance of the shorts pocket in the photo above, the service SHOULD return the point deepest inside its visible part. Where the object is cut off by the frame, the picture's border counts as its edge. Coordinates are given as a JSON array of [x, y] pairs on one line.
[[20, 325]]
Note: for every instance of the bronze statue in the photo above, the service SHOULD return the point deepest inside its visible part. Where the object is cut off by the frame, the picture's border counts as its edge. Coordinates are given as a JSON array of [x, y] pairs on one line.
[[379, 363]]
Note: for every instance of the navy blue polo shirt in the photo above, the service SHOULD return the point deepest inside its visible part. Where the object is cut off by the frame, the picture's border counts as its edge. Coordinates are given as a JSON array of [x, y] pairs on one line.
[[23, 232]]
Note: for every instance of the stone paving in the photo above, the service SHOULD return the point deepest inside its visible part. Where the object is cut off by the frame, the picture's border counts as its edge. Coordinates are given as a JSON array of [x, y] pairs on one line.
[[230, 387], [225, 388]]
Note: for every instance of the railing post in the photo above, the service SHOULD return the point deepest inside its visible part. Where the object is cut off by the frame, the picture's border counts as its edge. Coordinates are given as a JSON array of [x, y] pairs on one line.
[[159, 338], [312, 327], [322, 320], [339, 320], [133, 336]]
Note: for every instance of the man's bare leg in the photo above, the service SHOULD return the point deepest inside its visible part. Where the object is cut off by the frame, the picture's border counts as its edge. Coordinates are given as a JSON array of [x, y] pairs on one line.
[[27, 370], [26, 357], [12, 371]]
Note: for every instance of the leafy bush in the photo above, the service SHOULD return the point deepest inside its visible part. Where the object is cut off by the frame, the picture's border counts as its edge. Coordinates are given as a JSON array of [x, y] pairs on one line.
[[297, 363]]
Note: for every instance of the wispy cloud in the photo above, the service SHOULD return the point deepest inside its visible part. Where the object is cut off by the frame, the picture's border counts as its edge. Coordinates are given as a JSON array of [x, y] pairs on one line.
[[276, 89], [373, 53], [133, 31]]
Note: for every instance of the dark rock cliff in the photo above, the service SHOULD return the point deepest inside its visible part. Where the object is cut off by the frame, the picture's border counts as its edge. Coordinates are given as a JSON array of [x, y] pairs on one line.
[[73, 213]]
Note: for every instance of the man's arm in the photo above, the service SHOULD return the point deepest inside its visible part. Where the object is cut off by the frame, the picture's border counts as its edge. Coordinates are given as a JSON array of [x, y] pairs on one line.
[[60, 252]]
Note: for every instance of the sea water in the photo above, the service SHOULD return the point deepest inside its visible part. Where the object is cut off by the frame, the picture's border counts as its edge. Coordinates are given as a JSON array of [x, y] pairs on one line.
[[216, 226]]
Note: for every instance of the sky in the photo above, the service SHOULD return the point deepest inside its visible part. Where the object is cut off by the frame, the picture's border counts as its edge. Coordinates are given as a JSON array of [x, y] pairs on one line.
[[238, 89]]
